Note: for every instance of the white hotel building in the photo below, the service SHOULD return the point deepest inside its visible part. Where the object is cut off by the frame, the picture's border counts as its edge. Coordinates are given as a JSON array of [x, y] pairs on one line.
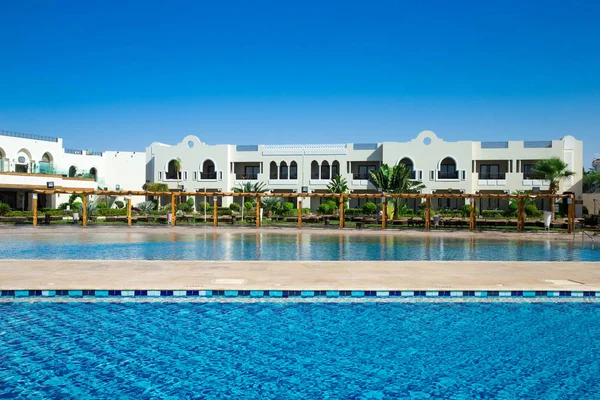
[[28, 162]]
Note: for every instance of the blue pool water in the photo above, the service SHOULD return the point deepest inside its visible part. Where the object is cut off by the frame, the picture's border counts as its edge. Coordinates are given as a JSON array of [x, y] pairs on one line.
[[274, 246], [300, 350]]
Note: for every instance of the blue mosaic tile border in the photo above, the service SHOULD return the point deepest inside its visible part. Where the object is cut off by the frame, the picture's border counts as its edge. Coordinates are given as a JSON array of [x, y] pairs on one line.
[[289, 293]]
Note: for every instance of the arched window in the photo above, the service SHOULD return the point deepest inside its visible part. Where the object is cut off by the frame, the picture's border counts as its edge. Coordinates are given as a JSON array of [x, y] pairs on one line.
[[408, 164], [173, 170], [325, 170], [273, 170], [314, 170], [23, 161], [335, 168], [283, 170], [293, 170], [208, 170], [72, 171], [94, 173], [448, 169]]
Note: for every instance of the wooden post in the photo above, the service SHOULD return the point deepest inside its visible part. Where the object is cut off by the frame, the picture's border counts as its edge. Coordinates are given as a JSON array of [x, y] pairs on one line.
[[341, 208], [215, 212], [473, 216], [384, 213], [129, 211], [520, 214], [257, 210], [35, 221], [173, 209], [299, 212], [427, 213], [571, 214], [84, 211]]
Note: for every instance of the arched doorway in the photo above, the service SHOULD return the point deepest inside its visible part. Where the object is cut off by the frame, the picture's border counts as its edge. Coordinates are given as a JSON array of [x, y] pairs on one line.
[[72, 171], [408, 164], [293, 170], [325, 170], [208, 170], [283, 170], [273, 170], [448, 169], [314, 170], [94, 173], [173, 170], [335, 168]]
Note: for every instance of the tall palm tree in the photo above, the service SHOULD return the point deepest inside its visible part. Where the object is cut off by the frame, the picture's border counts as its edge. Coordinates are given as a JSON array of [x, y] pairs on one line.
[[393, 180], [554, 170]]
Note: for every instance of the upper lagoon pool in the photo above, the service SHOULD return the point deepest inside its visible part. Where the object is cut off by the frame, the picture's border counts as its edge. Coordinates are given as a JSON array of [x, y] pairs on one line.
[[240, 246]]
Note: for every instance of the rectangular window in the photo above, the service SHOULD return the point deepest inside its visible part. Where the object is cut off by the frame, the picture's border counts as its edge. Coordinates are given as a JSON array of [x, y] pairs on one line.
[[528, 171], [185, 175], [160, 175], [195, 175], [293, 171], [489, 171], [364, 171]]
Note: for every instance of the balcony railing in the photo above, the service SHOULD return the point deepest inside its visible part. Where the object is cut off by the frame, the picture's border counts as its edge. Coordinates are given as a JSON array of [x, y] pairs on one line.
[[492, 175], [29, 136], [447, 175], [361, 176], [208, 175], [246, 177]]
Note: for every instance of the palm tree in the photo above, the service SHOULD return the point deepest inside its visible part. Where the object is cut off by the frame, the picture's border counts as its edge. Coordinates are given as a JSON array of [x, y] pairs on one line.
[[394, 180], [248, 187], [554, 170], [338, 185], [269, 203]]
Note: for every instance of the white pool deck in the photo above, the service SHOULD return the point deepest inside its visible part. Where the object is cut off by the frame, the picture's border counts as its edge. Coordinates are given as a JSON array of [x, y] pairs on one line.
[[295, 275]]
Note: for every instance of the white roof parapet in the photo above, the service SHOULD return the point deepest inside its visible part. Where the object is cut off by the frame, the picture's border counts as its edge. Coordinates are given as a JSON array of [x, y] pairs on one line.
[[305, 146], [306, 149]]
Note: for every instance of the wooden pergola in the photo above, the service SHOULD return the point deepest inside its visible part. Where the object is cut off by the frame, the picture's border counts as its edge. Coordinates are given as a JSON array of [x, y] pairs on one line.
[[340, 197]]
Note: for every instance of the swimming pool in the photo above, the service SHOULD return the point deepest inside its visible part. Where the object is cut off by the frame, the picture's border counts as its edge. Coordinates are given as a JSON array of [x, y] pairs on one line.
[[276, 246], [299, 350]]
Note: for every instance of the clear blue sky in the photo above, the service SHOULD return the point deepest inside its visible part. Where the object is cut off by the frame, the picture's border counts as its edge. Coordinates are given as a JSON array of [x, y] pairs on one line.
[[116, 75]]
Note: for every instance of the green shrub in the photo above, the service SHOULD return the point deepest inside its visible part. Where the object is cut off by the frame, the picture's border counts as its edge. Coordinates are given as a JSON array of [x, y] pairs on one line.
[[101, 205], [353, 211], [201, 207], [77, 207], [235, 207], [119, 204], [223, 211], [146, 207], [184, 207], [4, 208], [333, 205], [531, 210], [492, 214], [111, 212], [19, 214], [190, 202], [284, 208], [369, 208], [585, 211], [324, 209], [156, 187], [63, 206], [248, 205]]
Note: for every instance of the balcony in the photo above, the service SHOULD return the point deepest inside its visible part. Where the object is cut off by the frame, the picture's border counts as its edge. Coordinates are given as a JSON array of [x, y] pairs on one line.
[[208, 175], [492, 175], [447, 175], [246, 177]]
